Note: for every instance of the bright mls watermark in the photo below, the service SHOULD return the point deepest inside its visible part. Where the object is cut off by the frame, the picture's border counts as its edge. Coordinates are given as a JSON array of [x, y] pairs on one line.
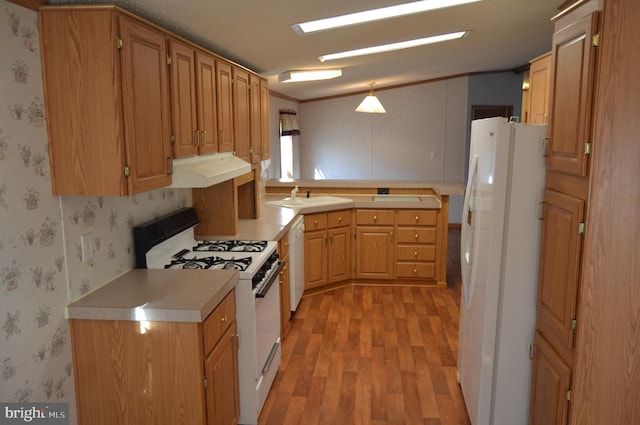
[[34, 413]]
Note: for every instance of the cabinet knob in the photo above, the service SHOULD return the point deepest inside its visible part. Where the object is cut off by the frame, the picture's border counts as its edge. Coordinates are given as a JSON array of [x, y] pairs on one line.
[[417, 219], [416, 254], [339, 219], [224, 319], [375, 217], [416, 236], [415, 271], [315, 221]]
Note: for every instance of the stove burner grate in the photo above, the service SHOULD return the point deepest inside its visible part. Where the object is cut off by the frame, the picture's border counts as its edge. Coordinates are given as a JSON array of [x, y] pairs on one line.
[[240, 264], [232, 245]]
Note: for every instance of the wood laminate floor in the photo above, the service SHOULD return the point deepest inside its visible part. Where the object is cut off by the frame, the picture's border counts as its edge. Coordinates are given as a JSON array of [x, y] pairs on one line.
[[372, 355]]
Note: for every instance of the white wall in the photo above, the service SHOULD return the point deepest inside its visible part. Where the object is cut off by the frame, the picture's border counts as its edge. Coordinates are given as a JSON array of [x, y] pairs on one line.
[[419, 137]]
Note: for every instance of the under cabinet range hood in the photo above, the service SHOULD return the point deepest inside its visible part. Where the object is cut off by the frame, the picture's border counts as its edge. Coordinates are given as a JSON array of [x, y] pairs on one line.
[[207, 170]]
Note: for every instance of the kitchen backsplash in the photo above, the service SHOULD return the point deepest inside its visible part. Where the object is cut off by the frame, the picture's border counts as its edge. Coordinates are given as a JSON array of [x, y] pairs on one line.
[[41, 267]]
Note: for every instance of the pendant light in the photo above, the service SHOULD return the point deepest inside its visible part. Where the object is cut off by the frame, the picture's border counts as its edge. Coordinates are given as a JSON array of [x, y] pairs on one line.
[[371, 104]]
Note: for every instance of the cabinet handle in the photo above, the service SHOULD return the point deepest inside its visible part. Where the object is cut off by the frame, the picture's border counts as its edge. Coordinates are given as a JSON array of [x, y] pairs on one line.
[[170, 164], [205, 136], [197, 137], [286, 244]]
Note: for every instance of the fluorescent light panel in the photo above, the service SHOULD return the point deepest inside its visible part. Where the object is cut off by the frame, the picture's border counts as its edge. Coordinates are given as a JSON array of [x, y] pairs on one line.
[[309, 75], [393, 46], [376, 15]]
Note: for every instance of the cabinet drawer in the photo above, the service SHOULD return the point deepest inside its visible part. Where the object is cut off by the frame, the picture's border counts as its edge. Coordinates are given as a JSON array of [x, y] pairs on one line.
[[416, 235], [315, 222], [339, 218], [219, 320], [416, 253], [245, 178], [375, 217], [417, 217], [416, 270]]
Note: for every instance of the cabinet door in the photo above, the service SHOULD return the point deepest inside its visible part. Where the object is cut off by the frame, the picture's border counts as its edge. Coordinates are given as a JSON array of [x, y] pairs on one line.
[[224, 94], [550, 381], [539, 90], [255, 120], [264, 119], [221, 371], [339, 254], [145, 96], [241, 114], [206, 100], [183, 99], [573, 85], [374, 253], [315, 258], [559, 269]]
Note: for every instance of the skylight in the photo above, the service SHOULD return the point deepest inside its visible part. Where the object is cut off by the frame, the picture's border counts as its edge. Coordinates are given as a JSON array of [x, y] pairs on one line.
[[376, 15], [393, 46]]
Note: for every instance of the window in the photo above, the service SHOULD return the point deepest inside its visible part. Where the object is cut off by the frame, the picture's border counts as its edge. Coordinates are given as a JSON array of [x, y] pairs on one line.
[[286, 157]]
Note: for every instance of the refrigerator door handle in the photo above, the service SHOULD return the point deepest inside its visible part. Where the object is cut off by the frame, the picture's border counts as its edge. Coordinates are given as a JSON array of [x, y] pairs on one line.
[[466, 244]]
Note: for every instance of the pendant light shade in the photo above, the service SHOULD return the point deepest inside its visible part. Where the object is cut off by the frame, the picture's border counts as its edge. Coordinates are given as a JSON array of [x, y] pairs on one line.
[[371, 104]]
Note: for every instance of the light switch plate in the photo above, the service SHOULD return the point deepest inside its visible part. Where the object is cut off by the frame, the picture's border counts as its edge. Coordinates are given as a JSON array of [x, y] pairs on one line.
[[87, 246]]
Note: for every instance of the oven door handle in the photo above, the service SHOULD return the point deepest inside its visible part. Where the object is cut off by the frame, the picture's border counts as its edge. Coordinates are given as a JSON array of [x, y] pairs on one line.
[[272, 354], [274, 275]]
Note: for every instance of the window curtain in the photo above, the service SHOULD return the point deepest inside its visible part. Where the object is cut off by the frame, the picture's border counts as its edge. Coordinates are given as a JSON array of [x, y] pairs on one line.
[[289, 122]]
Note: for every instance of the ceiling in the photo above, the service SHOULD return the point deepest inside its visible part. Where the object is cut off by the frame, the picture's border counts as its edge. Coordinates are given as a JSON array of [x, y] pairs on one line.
[[505, 35]]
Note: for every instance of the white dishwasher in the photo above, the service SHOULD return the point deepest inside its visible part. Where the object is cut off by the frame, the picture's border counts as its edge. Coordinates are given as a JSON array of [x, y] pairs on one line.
[[296, 261]]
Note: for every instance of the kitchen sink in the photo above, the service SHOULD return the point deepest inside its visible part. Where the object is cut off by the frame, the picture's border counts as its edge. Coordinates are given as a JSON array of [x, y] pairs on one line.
[[312, 201]]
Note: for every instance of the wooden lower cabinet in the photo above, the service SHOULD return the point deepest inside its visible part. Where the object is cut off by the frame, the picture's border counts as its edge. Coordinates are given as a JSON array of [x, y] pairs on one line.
[[130, 372], [416, 244], [374, 252], [221, 372], [327, 248], [551, 380], [285, 287]]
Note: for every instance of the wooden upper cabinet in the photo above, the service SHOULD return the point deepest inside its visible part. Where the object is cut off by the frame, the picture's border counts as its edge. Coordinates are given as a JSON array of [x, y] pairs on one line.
[[539, 89], [559, 269], [264, 119], [108, 109], [145, 95], [183, 99], [255, 119], [193, 100], [224, 94], [242, 113], [207, 104], [572, 80]]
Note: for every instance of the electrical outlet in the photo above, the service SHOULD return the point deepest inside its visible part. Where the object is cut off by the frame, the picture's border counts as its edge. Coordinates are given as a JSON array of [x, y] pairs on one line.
[[87, 246]]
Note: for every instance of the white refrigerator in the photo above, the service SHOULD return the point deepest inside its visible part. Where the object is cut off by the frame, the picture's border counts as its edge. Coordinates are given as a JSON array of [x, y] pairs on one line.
[[499, 256]]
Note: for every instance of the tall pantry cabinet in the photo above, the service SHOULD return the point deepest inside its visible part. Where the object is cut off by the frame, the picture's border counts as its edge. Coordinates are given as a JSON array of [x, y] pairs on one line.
[[568, 149]]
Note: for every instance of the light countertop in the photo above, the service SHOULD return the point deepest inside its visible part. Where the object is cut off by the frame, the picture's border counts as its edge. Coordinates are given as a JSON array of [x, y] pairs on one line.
[[440, 187], [156, 295]]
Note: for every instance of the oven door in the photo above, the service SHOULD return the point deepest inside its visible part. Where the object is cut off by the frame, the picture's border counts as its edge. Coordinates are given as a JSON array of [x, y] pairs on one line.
[[268, 334]]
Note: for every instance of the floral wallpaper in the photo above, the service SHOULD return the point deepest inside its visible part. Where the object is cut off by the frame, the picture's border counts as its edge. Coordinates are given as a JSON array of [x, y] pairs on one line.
[[41, 261]]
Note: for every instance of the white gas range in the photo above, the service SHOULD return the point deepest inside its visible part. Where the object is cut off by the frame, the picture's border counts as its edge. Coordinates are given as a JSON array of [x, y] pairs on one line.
[[169, 242]]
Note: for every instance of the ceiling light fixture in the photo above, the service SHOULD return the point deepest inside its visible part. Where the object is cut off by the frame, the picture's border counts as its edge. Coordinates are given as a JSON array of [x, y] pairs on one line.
[[309, 75], [376, 15], [371, 104], [393, 46]]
